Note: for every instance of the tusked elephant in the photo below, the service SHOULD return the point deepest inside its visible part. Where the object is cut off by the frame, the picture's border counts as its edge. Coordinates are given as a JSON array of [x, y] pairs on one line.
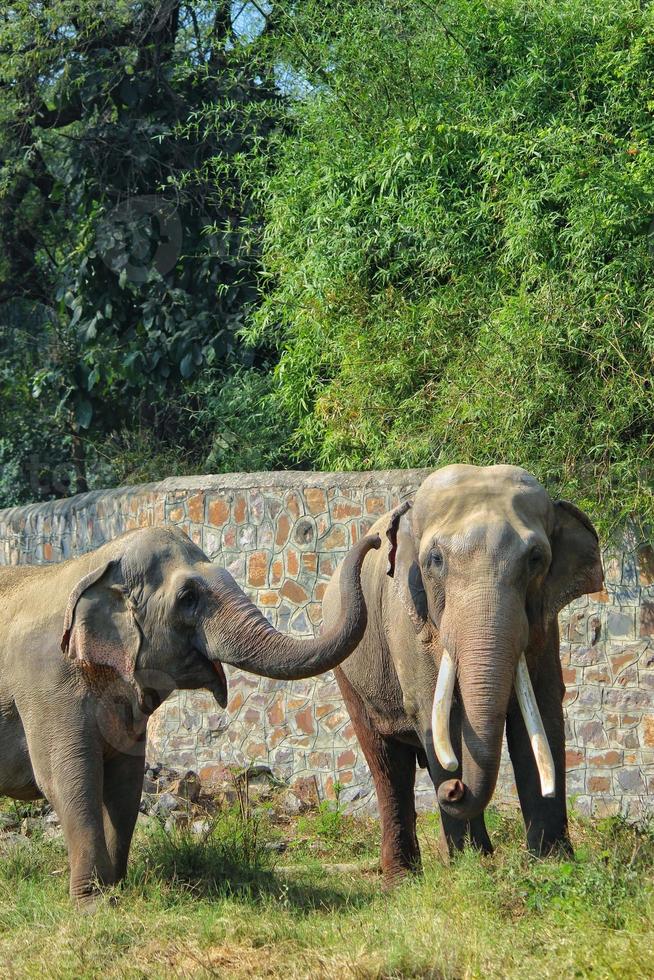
[[462, 639], [90, 647]]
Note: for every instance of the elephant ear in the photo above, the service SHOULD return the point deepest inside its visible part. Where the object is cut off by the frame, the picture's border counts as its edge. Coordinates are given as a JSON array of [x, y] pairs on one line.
[[100, 629], [576, 561], [403, 566]]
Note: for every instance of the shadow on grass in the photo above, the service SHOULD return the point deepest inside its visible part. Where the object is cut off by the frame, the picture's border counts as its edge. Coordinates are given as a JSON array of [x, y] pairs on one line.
[[233, 859]]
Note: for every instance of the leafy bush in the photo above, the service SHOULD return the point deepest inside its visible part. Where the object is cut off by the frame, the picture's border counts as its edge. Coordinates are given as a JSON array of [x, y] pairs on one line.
[[458, 241]]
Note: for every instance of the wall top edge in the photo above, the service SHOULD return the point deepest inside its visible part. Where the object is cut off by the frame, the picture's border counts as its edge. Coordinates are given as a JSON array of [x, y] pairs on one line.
[[284, 479]]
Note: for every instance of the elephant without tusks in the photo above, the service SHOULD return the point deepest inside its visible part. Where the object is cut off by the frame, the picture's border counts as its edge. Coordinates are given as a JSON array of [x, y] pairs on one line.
[[462, 639], [90, 647]]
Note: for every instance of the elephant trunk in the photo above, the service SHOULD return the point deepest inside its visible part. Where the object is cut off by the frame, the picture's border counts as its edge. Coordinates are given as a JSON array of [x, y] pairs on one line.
[[485, 681], [489, 662], [236, 632]]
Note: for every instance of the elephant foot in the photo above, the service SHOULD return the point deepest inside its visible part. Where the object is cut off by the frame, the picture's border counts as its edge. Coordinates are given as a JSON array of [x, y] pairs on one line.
[[395, 876], [478, 837], [95, 902], [542, 847]]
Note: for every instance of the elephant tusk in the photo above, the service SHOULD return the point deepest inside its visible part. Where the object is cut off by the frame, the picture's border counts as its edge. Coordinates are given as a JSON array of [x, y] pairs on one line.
[[440, 714], [535, 727]]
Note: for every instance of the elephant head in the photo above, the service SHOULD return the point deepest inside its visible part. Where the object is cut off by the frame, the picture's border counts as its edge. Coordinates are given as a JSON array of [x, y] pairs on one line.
[[158, 614], [482, 563]]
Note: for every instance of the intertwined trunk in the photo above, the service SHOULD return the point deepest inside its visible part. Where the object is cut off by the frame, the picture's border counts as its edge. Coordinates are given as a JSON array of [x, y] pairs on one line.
[[236, 632]]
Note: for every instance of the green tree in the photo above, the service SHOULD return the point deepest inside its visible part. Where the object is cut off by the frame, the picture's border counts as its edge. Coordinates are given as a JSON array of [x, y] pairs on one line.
[[458, 243], [126, 266]]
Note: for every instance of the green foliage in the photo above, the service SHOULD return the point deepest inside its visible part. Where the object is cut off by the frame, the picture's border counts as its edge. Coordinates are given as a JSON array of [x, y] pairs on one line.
[[123, 232], [32, 434], [454, 207], [458, 241], [223, 421], [237, 421], [231, 851]]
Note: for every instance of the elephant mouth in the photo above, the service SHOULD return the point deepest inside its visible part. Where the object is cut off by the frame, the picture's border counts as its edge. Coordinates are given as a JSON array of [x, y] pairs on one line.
[[216, 681]]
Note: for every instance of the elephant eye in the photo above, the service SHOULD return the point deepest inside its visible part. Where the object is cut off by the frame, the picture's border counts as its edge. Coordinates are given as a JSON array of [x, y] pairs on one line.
[[536, 557], [187, 599], [436, 559]]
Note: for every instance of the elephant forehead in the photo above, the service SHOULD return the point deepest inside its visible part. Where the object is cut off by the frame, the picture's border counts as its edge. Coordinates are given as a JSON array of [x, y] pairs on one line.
[[460, 475], [480, 497], [498, 538], [154, 552]]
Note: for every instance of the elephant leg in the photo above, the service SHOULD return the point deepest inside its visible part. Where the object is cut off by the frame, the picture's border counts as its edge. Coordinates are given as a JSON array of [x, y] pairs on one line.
[[123, 785], [77, 798], [68, 767], [546, 820], [393, 768]]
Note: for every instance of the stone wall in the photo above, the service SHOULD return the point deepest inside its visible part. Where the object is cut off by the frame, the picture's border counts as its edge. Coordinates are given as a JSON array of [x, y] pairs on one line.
[[281, 535]]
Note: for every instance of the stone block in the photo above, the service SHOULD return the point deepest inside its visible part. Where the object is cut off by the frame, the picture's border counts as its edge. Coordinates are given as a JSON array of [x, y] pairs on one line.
[[647, 619], [629, 781], [605, 806], [246, 537], [229, 537], [310, 562], [376, 504], [605, 759], [621, 623], [316, 500], [274, 504], [300, 624], [283, 530], [294, 504], [645, 563], [336, 540], [306, 790], [582, 806], [257, 569], [240, 508], [344, 510], [303, 720], [211, 544], [257, 507], [628, 699], [218, 510], [195, 505], [292, 563], [591, 733], [294, 592], [574, 758], [598, 784], [265, 536], [346, 759]]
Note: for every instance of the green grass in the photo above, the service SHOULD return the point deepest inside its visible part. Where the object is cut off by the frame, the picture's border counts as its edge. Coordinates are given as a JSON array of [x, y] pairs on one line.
[[228, 905]]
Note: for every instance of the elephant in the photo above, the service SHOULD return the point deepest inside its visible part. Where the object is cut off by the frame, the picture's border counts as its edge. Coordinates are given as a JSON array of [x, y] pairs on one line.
[[90, 647], [462, 640]]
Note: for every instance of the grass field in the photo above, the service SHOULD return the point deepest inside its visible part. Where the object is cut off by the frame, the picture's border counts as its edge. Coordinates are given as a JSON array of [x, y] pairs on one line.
[[302, 898]]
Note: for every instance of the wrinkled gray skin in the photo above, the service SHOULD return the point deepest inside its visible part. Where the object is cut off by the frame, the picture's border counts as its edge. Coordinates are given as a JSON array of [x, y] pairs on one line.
[[90, 647], [481, 564]]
